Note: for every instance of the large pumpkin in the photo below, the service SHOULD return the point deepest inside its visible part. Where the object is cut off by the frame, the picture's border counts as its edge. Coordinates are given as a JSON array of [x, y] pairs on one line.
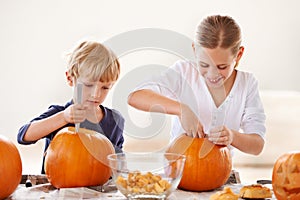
[[10, 167], [78, 159], [286, 176], [207, 166]]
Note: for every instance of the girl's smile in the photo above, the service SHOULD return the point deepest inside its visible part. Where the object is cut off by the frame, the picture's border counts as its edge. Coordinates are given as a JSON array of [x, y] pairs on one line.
[[216, 66], [214, 81]]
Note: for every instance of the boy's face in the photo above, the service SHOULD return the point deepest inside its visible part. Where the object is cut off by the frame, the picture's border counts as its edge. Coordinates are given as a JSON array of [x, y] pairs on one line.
[[94, 93]]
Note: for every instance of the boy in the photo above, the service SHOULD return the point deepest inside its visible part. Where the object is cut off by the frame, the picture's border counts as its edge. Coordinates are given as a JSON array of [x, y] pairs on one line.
[[97, 69]]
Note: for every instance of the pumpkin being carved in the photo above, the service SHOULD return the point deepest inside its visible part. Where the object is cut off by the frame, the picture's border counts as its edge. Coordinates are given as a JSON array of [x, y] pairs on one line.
[[286, 176], [207, 166], [78, 159], [10, 167]]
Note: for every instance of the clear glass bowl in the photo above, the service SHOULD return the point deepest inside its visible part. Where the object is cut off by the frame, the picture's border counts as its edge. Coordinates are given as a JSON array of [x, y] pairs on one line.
[[146, 175]]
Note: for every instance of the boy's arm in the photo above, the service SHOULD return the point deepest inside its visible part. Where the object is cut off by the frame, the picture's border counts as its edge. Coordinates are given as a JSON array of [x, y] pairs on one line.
[[41, 128], [53, 119]]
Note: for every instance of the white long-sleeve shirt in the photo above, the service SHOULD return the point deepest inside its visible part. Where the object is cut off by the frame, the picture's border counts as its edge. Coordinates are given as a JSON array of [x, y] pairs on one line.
[[242, 109]]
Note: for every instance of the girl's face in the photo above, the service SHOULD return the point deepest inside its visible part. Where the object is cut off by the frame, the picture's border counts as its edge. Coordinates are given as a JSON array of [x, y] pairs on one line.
[[94, 93], [215, 65]]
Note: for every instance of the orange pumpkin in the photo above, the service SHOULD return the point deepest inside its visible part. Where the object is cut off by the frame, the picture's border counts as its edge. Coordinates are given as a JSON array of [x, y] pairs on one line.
[[78, 159], [207, 166], [10, 167], [286, 176]]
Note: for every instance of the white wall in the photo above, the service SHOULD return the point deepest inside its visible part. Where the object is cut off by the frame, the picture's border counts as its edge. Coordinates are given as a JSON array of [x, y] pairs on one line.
[[283, 123], [35, 34]]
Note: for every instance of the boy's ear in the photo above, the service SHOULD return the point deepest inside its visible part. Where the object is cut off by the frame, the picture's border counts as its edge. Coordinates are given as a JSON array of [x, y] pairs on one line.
[[69, 79]]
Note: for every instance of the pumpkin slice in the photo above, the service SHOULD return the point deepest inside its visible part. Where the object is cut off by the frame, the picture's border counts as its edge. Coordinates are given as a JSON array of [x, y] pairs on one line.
[[255, 191]]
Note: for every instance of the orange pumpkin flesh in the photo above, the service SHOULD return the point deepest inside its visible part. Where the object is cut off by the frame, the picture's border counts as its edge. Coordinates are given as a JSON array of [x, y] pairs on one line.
[[10, 167], [207, 166], [286, 176], [78, 159]]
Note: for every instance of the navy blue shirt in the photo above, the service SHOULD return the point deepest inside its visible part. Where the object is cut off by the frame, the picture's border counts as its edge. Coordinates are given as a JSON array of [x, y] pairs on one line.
[[112, 126]]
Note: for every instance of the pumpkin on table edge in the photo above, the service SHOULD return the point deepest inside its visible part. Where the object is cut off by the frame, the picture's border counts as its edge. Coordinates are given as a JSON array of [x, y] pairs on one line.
[[10, 167], [207, 165], [78, 159], [286, 176]]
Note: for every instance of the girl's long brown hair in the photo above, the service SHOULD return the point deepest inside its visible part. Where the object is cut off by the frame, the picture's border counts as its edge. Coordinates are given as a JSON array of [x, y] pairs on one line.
[[219, 31]]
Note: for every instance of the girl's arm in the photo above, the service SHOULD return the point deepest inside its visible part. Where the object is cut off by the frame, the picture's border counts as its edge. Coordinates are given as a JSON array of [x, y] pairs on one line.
[[150, 101], [253, 125], [248, 143], [253, 122]]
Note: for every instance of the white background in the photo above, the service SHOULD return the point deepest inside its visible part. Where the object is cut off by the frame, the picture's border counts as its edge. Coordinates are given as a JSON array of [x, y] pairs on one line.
[[35, 34]]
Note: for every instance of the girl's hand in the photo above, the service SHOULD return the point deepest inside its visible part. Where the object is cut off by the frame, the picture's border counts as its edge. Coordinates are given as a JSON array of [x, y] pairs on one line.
[[190, 122], [221, 135], [75, 113]]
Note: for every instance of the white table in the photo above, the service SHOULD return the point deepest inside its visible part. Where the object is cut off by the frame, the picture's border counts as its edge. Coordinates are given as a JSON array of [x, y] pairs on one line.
[[46, 191]]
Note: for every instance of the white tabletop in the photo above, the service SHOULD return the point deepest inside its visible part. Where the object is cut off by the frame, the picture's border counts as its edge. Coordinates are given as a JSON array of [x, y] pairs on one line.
[[46, 191]]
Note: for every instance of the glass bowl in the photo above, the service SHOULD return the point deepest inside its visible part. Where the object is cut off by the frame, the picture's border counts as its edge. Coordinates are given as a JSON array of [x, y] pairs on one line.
[[146, 175]]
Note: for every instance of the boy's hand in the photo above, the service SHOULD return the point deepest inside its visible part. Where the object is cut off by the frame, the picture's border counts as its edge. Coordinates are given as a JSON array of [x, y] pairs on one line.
[[75, 113], [221, 135], [190, 122]]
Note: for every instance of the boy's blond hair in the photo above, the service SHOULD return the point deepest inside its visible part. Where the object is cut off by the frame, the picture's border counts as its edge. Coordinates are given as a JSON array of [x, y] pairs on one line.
[[93, 61]]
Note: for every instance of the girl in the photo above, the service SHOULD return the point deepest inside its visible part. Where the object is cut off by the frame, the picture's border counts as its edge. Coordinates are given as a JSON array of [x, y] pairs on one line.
[[210, 97]]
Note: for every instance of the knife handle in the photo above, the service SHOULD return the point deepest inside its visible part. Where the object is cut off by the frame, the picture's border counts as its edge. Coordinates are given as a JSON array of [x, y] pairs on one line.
[[78, 99], [264, 182]]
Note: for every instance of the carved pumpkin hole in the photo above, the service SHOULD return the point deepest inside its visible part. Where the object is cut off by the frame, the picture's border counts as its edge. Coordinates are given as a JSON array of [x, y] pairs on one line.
[[293, 191], [286, 181], [279, 170], [296, 170]]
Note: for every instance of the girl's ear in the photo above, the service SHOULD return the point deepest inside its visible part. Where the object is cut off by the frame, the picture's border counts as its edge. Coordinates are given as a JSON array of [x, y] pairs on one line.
[[239, 55], [70, 80], [194, 49]]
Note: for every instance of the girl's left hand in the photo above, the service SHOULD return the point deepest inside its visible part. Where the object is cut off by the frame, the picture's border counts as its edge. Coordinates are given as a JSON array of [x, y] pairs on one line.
[[221, 136]]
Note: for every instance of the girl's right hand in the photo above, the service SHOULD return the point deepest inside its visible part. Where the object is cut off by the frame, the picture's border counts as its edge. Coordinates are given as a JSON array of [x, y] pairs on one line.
[[75, 113], [190, 122]]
